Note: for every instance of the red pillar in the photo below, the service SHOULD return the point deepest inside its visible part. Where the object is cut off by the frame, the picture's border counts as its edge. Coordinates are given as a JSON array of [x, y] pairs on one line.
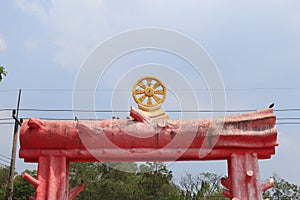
[[52, 181], [243, 182], [52, 177]]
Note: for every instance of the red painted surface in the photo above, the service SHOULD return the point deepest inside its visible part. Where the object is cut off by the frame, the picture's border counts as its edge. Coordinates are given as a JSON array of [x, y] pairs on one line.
[[243, 180], [240, 139]]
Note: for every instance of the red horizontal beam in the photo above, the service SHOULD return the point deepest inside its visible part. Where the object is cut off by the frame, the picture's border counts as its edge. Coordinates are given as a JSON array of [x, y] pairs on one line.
[[167, 140]]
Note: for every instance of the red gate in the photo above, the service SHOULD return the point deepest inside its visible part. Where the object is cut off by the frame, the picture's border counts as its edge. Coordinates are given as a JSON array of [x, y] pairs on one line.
[[240, 139]]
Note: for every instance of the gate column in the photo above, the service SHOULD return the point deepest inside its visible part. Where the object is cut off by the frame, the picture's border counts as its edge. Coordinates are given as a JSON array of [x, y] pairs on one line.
[[243, 180], [52, 175]]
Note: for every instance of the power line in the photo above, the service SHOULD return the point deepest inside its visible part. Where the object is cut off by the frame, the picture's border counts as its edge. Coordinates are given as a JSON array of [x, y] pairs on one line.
[[187, 89], [6, 123], [287, 109], [6, 109], [191, 111], [5, 161], [4, 165], [4, 156], [288, 118], [278, 123], [66, 119], [174, 111], [288, 123], [111, 110], [127, 111], [51, 118], [280, 119], [91, 119], [63, 119], [8, 118]]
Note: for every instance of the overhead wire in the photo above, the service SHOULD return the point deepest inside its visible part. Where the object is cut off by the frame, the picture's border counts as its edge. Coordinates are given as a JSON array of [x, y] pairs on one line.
[[288, 118], [174, 111], [4, 165], [127, 111], [62, 119], [7, 118], [3, 160], [4, 156], [92, 119], [187, 89], [288, 123], [6, 123], [282, 120]]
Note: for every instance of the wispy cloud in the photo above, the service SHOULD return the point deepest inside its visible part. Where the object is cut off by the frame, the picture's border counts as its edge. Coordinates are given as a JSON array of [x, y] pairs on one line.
[[2, 44], [76, 27], [30, 45], [32, 7], [76, 34], [73, 33]]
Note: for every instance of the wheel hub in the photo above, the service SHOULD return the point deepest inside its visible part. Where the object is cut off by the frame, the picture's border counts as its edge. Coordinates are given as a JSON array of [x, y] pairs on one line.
[[149, 92]]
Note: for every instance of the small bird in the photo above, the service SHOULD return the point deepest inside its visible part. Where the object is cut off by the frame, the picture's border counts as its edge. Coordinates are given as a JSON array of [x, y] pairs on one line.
[[272, 105], [76, 119], [113, 117]]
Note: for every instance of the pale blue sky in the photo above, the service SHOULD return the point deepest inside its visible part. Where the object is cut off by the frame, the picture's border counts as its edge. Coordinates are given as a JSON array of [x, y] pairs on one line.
[[254, 44]]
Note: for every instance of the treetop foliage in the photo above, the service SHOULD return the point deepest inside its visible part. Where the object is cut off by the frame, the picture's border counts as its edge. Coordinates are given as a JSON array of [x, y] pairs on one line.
[[147, 181], [2, 72]]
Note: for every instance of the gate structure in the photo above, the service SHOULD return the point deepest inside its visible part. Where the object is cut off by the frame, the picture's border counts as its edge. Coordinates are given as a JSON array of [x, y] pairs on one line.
[[243, 140], [240, 139]]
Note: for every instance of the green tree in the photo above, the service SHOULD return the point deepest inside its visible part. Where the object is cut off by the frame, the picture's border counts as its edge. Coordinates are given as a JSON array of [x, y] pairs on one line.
[[149, 181], [111, 181], [89, 173], [2, 72], [156, 182], [4, 171], [22, 189], [202, 186], [104, 181], [282, 190]]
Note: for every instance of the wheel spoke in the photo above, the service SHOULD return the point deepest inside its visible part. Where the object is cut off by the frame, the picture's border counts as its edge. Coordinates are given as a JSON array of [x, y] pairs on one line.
[[139, 91], [142, 85], [149, 81], [142, 98], [159, 92], [157, 99], [149, 102], [156, 85]]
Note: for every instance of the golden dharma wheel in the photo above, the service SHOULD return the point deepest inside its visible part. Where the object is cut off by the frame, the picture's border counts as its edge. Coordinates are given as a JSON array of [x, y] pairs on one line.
[[149, 91]]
